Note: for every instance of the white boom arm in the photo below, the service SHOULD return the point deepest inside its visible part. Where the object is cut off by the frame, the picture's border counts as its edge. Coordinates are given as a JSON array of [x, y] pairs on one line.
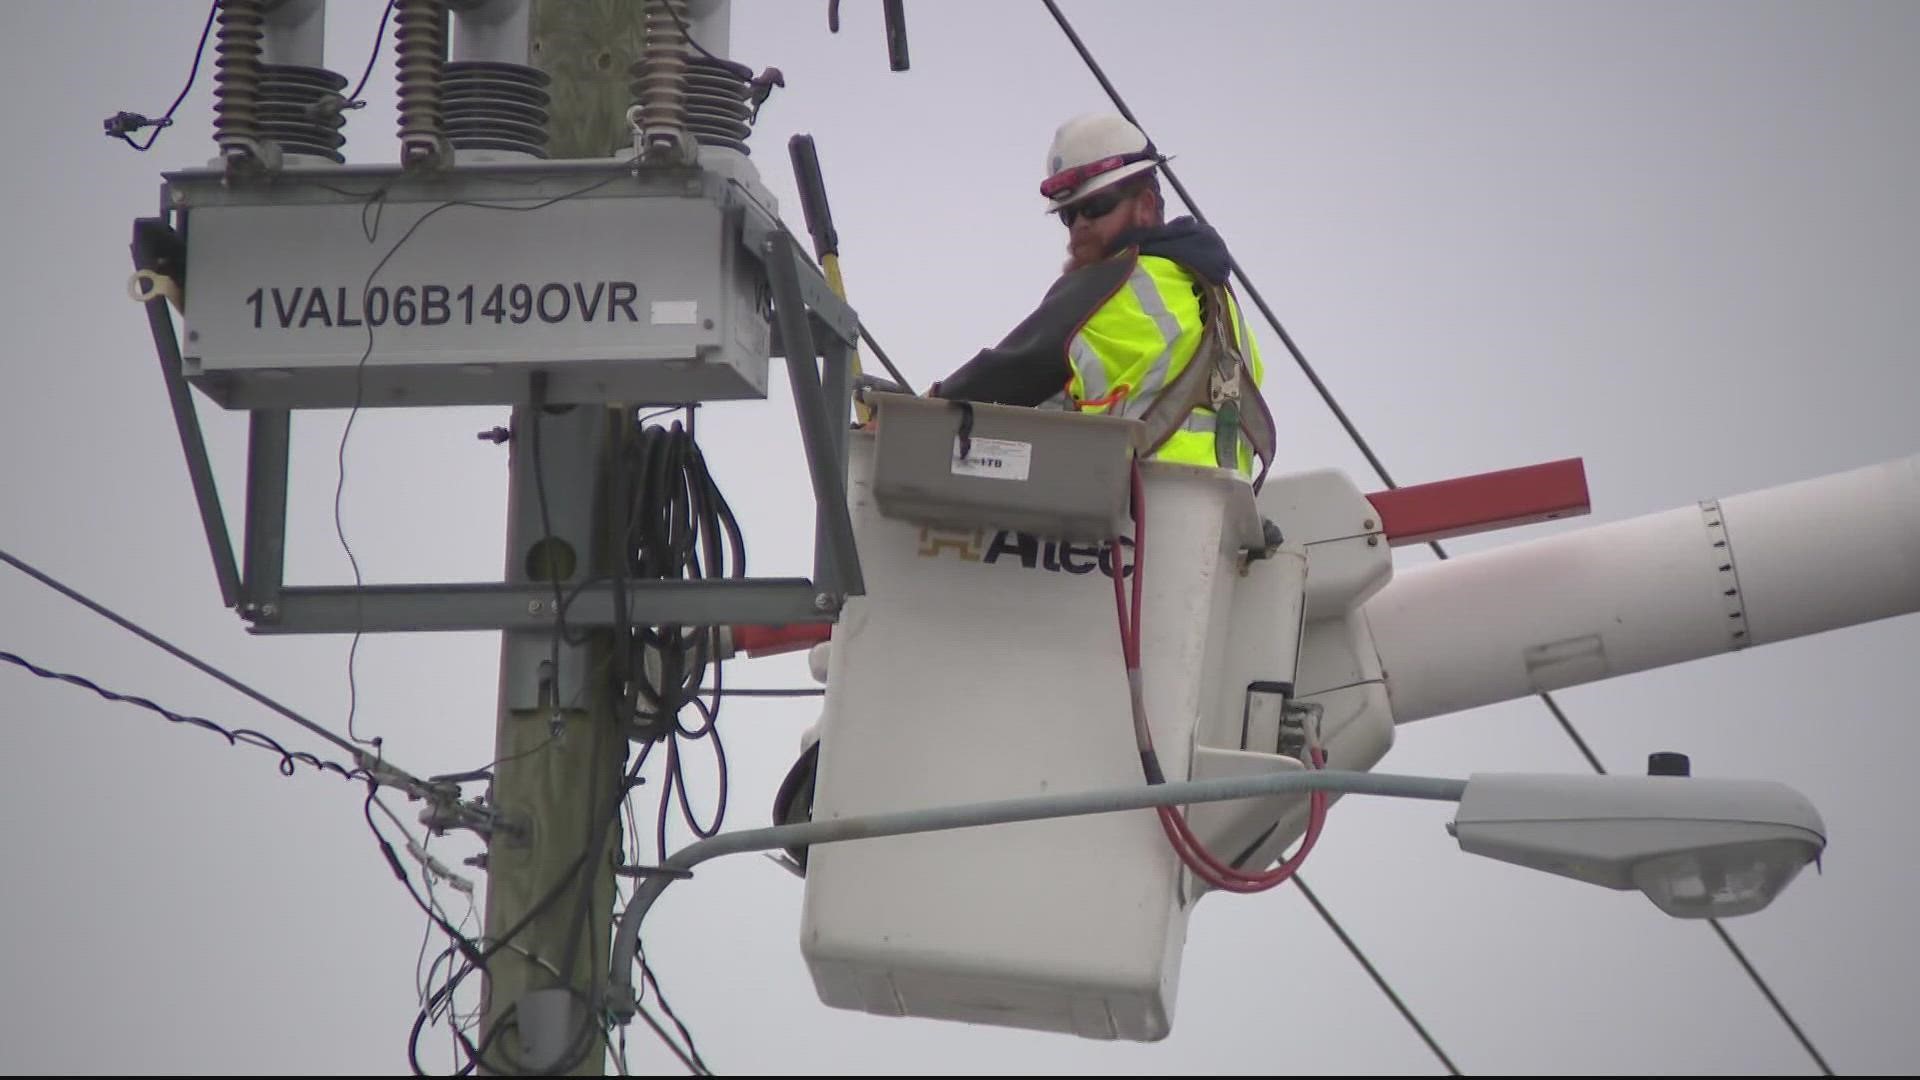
[[1581, 606]]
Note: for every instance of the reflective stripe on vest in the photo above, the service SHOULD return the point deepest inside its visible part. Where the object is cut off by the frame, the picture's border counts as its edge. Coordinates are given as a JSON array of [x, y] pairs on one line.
[[1146, 292]]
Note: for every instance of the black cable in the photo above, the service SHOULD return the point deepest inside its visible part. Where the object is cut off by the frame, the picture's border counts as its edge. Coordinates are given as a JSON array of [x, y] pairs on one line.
[[1726, 938], [1299, 357], [378, 196], [122, 125], [649, 979], [379, 38], [494, 946], [1313, 377], [708, 732], [881, 355], [595, 844], [290, 760], [537, 415], [692, 1067], [1378, 979], [177, 653], [485, 772], [767, 691], [420, 1021], [1566, 725], [468, 947], [476, 956], [679, 527], [701, 49]]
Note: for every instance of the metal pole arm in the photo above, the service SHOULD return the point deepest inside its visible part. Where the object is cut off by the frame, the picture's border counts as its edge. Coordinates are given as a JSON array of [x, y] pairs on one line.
[[1000, 812]]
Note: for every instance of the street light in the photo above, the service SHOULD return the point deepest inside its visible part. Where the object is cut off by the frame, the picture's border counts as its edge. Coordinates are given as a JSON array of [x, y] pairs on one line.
[[1697, 848]]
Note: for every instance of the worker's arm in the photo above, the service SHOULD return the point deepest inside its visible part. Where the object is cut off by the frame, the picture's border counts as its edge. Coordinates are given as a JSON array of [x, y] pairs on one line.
[[1030, 365]]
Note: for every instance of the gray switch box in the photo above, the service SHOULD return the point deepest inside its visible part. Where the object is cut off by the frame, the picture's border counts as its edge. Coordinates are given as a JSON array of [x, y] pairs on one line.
[[392, 289]]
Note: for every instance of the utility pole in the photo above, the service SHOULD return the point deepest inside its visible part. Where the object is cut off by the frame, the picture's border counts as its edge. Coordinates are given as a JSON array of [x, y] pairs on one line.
[[560, 751], [619, 257], [560, 748]]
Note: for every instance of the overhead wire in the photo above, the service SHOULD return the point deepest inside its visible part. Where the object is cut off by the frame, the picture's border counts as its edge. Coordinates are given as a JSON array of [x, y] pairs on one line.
[[289, 759], [122, 125], [675, 525], [1380, 469], [184, 657], [766, 691], [370, 769], [1379, 980], [1312, 376], [698, 1063], [379, 38], [376, 199]]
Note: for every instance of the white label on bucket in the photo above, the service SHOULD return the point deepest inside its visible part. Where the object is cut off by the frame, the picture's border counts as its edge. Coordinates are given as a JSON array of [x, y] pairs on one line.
[[1000, 459]]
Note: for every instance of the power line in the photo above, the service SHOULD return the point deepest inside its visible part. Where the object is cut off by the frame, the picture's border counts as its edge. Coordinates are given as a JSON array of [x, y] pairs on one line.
[[1727, 939], [376, 201], [122, 125], [1379, 980], [1719, 928], [1380, 468], [379, 35], [1259, 301], [360, 757], [1359, 440], [290, 760]]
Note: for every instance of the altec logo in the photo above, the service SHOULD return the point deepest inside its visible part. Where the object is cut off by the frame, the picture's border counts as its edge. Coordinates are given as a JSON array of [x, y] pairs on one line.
[[1025, 550]]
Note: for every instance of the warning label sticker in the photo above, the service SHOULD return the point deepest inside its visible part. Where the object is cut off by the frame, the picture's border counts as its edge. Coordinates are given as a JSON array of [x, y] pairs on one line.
[[999, 459]]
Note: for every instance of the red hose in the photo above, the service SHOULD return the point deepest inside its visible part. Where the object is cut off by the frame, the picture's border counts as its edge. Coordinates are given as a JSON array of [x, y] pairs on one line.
[[1186, 845]]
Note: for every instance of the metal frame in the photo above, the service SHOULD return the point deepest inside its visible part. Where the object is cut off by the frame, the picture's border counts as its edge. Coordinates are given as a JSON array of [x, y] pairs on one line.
[[806, 312]]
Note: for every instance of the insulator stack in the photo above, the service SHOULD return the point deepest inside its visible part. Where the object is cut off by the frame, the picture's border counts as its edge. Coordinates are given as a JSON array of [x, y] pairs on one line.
[[420, 37], [488, 105], [660, 80], [237, 74], [299, 108]]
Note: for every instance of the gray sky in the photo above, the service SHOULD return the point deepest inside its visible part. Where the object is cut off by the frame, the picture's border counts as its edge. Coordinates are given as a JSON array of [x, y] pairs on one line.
[[1675, 240]]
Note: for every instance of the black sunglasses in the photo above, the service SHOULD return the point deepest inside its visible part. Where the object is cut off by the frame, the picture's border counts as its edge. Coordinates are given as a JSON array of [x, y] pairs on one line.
[[1092, 208]]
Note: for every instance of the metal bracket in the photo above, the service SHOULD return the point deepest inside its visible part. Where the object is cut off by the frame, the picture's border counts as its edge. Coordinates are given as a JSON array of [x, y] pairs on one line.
[[443, 815], [156, 249]]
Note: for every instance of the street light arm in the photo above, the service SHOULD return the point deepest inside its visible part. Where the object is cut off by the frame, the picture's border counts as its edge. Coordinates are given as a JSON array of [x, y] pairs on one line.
[[999, 812]]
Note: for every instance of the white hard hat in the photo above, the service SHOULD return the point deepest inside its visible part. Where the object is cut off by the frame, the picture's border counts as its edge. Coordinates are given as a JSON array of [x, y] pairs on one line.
[[1091, 153]]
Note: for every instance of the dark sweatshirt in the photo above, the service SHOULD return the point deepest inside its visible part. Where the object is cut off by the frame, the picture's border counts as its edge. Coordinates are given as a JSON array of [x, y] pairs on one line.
[[1030, 364]]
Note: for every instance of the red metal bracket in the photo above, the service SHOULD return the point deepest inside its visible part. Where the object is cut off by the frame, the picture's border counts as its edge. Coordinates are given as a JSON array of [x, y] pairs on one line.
[[768, 640], [1482, 503]]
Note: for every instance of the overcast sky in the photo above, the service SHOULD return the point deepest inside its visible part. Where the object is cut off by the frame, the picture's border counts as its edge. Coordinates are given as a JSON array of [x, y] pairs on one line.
[[1674, 239]]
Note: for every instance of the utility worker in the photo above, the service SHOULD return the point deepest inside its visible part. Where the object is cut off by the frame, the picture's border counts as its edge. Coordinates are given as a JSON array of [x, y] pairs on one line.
[[1140, 323]]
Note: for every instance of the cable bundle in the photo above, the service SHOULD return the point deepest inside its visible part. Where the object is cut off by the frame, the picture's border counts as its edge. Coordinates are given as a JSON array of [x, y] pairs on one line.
[[678, 527]]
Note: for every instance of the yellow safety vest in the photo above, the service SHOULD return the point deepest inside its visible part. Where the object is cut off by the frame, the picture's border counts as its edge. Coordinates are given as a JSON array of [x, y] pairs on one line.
[[1138, 342]]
